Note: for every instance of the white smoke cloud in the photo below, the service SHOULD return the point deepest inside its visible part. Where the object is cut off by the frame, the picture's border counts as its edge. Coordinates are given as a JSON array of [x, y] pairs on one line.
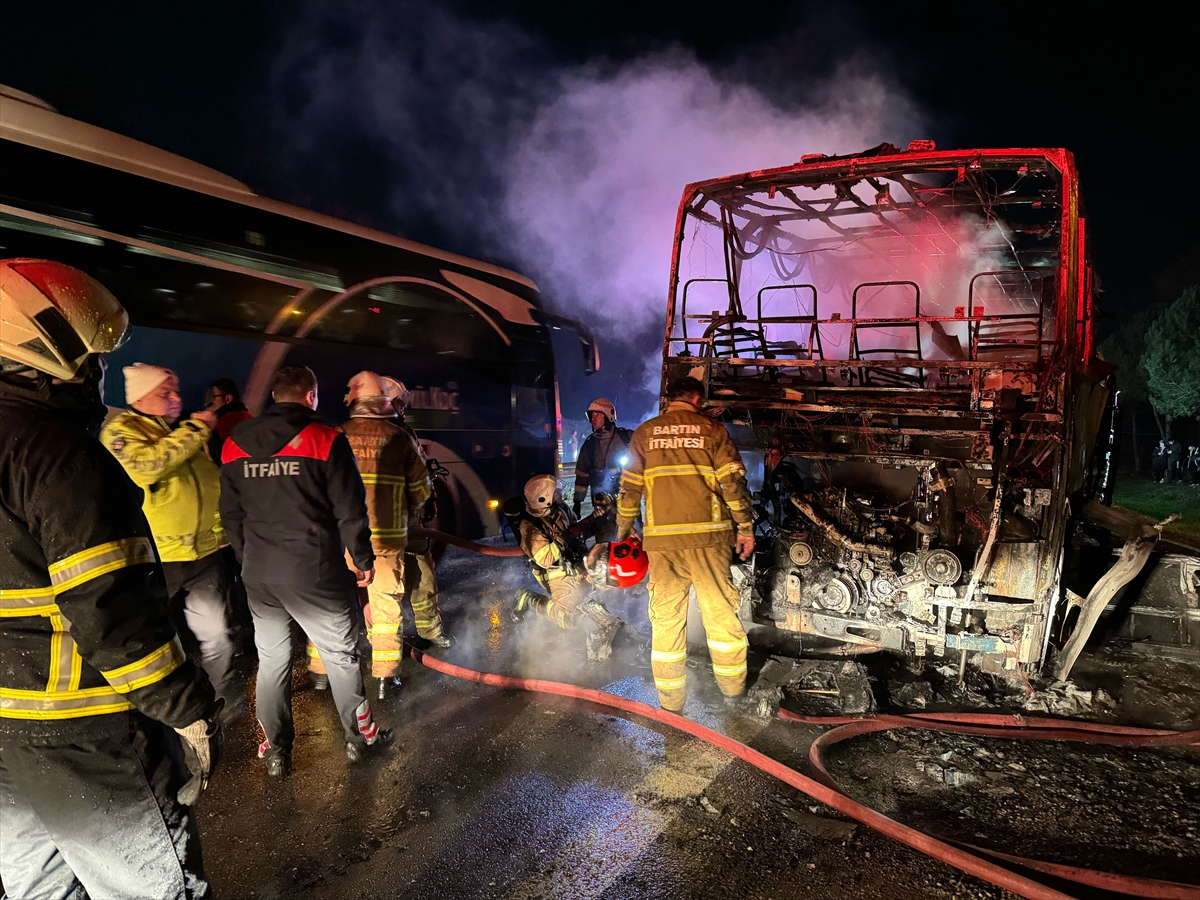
[[572, 173]]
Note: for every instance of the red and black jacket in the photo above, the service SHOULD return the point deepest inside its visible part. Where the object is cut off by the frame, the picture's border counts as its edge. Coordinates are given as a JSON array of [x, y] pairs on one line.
[[292, 500]]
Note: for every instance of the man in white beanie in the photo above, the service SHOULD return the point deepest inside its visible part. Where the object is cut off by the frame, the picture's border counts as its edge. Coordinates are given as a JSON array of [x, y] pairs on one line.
[[167, 460]]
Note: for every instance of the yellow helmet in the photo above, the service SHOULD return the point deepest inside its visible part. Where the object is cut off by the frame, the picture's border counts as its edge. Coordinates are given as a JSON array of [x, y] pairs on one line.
[[52, 317], [541, 491]]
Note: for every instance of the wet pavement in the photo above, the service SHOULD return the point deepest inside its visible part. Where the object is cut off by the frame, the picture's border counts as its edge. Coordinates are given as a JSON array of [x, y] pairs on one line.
[[506, 794]]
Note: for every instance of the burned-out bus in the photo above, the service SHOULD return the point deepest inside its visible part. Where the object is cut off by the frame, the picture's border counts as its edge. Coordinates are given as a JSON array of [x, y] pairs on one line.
[[220, 281], [907, 338]]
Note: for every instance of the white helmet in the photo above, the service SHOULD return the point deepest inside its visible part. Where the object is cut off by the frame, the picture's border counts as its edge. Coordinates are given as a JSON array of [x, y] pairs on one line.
[[601, 405], [52, 317], [364, 385], [394, 389], [541, 492]]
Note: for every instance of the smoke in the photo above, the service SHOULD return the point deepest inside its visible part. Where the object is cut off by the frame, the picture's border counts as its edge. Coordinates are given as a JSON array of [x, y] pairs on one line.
[[474, 135]]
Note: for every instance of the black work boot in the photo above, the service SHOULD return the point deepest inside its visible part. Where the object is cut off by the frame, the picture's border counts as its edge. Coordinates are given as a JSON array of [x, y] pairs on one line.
[[357, 751], [320, 681], [442, 640], [278, 762]]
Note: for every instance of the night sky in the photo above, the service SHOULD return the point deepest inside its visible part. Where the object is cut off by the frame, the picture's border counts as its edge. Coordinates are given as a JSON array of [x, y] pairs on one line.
[[1118, 91]]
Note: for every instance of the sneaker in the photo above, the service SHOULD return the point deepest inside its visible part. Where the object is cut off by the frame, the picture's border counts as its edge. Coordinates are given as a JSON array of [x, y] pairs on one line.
[[357, 752], [278, 765], [320, 682], [442, 640]]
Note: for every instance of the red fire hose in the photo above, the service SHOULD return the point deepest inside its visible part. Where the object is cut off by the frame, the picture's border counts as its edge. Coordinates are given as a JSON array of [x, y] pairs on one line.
[[485, 549], [827, 792], [966, 857]]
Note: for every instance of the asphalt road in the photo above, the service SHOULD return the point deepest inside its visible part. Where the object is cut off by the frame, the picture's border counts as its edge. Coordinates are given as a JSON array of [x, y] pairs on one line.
[[504, 794]]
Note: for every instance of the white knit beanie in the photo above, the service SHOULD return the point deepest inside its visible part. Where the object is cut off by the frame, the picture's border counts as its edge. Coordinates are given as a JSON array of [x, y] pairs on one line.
[[141, 379]]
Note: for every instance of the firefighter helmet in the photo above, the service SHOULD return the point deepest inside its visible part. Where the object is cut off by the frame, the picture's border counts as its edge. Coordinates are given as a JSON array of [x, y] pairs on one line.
[[606, 407], [541, 492], [394, 390], [618, 564], [364, 385], [52, 317]]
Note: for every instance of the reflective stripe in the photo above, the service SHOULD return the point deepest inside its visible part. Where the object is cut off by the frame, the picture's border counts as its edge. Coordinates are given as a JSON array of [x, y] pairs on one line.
[[81, 567], [729, 671], [632, 478], [727, 646], [737, 505], [385, 655], [674, 471], [312, 652], [61, 647], [731, 468], [628, 512], [76, 667], [27, 602], [546, 555], [386, 628], [17, 704], [389, 532], [374, 478], [698, 528], [150, 668], [668, 656], [670, 684]]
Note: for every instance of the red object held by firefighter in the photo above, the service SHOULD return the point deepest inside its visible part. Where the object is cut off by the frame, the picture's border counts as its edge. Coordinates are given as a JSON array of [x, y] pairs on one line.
[[619, 564]]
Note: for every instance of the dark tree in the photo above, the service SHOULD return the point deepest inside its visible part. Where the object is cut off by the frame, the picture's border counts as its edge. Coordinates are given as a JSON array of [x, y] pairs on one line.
[[1172, 357]]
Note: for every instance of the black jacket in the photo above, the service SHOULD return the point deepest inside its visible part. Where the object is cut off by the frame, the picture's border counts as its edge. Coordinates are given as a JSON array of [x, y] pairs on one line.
[[84, 631], [292, 500], [598, 465]]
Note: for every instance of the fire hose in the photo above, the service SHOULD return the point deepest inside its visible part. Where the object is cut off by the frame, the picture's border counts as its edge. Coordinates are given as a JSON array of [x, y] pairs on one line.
[[475, 546], [981, 862], [968, 858]]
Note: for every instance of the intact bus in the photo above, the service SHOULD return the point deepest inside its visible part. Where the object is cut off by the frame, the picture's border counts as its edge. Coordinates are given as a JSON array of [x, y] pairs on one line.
[[907, 337], [220, 281]]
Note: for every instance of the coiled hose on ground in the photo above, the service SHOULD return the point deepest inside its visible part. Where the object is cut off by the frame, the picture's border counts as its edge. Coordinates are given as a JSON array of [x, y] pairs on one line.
[[978, 861]]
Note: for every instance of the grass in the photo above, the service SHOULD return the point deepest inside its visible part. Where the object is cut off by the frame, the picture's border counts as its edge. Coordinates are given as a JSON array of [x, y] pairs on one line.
[[1148, 497]]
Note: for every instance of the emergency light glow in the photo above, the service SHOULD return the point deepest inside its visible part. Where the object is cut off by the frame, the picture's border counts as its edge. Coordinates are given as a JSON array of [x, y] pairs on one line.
[[623, 460]]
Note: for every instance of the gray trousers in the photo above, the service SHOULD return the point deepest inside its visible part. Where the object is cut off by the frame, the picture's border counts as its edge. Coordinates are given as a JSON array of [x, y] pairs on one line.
[[324, 614], [97, 816], [199, 607]]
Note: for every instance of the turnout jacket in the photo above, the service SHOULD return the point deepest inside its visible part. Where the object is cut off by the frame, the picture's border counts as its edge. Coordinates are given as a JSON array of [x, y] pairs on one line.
[[693, 481], [292, 501], [84, 632], [596, 466], [181, 483], [394, 474], [555, 542]]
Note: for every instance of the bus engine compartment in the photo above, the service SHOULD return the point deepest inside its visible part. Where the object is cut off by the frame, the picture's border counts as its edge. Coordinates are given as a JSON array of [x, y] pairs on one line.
[[906, 338]]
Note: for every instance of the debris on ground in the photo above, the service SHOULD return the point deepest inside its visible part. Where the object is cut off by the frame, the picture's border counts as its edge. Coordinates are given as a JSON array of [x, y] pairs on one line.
[[1063, 698], [813, 687], [820, 826]]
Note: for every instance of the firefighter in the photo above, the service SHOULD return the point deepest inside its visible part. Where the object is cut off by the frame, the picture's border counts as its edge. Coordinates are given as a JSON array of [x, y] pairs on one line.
[[601, 458], [293, 504], [97, 692], [697, 508], [167, 460], [555, 543], [420, 578], [396, 480]]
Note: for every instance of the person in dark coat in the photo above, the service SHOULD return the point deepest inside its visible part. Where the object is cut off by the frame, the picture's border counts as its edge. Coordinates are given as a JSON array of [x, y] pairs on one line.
[[294, 508]]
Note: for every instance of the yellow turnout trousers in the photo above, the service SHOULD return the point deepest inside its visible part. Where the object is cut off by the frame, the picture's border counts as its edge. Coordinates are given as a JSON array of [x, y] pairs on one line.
[[421, 584], [672, 572], [392, 578]]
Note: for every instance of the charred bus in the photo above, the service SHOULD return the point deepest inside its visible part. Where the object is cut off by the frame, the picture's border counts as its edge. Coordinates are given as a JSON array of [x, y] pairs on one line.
[[220, 281], [906, 336]]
